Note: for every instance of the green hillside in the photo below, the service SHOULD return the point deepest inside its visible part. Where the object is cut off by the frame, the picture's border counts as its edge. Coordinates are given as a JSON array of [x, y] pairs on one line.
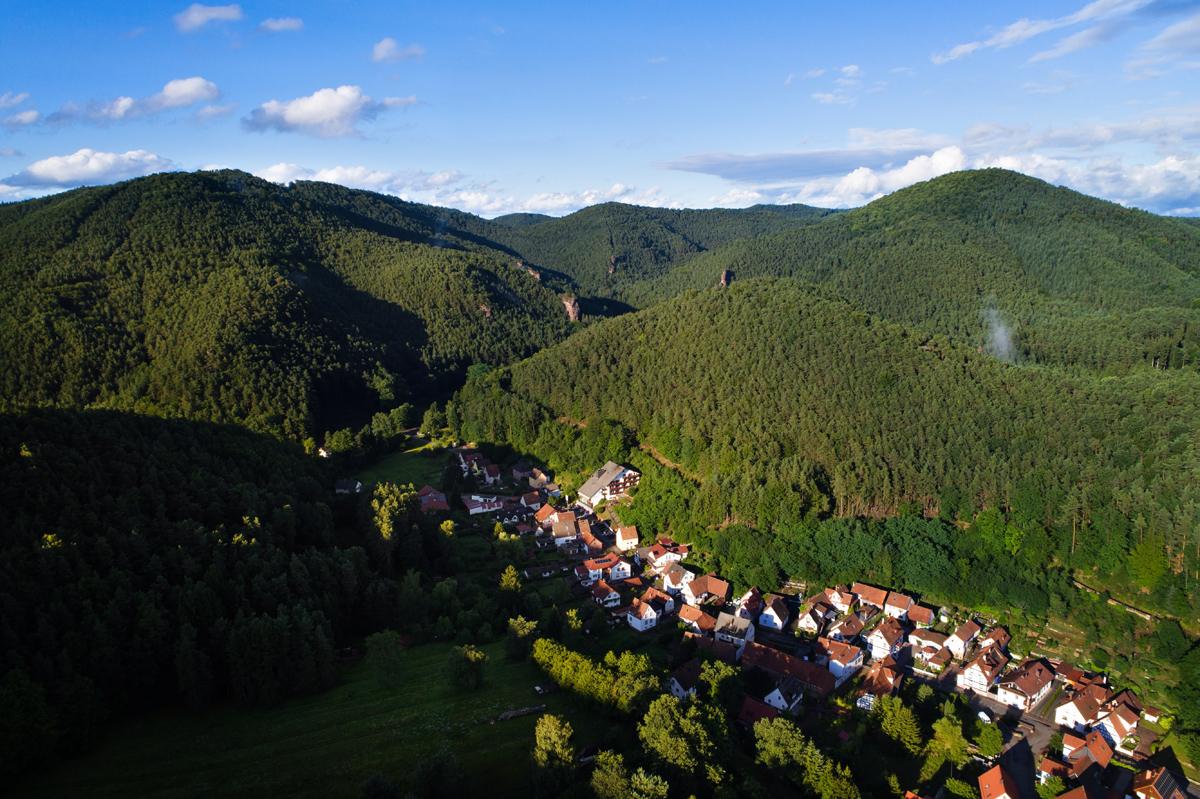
[[785, 402], [609, 248], [1076, 281], [220, 296]]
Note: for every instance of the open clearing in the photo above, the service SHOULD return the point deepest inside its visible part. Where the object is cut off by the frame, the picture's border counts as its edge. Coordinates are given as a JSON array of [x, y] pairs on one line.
[[325, 745], [421, 465]]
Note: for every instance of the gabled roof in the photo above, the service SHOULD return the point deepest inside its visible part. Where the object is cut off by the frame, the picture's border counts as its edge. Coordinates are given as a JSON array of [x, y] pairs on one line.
[[735, 626], [658, 598], [751, 600], [687, 675], [492, 470], [927, 638], [706, 623], [754, 711], [990, 662], [1054, 768], [1158, 783], [842, 654], [966, 631], [995, 783], [883, 678], [1028, 678], [773, 661], [642, 610], [848, 627], [997, 637], [602, 590], [723, 650], [1094, 748], [898, 601], [545, 512], [708, 584], [920, 614], [789, 689], [603, 562], [531, 497], [776, 605], [891, 630], [601, 478], [869, 594], [627, 534]]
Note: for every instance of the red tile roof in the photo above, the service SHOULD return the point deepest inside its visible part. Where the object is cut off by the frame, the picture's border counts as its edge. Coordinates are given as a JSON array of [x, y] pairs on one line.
[[996, 783], [754, 711]]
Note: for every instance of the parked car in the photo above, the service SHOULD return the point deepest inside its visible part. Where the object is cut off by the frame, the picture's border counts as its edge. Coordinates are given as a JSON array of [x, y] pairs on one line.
[[985, 717]]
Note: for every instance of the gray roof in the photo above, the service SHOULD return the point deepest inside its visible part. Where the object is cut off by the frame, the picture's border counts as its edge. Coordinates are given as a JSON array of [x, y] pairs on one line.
[[600, 478], [732, 625]]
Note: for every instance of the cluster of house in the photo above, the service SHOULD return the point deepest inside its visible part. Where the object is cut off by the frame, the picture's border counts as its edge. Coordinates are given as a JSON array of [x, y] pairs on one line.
[[1082, 768]]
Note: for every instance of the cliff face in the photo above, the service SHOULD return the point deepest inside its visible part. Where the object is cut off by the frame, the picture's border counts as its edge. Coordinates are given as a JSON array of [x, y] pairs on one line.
[[572, 306]]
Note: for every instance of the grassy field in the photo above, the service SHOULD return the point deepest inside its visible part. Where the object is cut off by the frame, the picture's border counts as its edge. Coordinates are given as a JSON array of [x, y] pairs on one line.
[[325, 745], [421, 465]]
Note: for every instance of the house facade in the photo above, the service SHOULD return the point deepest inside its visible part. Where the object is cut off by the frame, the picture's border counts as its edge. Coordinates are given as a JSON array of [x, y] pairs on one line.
[[609, 481], [774, 615]]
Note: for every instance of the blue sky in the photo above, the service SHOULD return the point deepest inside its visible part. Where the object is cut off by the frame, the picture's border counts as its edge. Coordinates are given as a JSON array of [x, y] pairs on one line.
[[548, 107]]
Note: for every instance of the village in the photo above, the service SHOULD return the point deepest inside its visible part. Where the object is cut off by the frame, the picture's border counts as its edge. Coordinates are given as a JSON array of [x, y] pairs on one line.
[[806, 647]]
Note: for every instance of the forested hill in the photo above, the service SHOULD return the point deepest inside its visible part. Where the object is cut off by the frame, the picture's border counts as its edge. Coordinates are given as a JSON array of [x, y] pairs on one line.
[[608, 249], [1076, 281], [223, 297], [785, 402]]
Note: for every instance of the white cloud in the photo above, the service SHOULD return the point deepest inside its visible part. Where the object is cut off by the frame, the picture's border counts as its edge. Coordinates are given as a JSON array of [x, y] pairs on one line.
[[327, 113], [196, 16], [662, 59], [903, 71], [1024, 29], [814, 73], [184, 91], [865, 184], [788, 80], [445, 189], [1088, 37], [281, 24], [8, 152], [88, 167], [175, 94], [852, 71], [832, 99], [389, 50], [214, 111], [1182, 37], [21, 119], [8, 99], [737, 198]]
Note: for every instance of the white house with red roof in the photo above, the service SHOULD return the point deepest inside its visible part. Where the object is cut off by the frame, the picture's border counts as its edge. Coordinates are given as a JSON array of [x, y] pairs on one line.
[[703, 589], [962, 638], [842, 660], [750, 605], [642, 616], [981, 673], [697, 619], [897, 605], [627, 538], [675, 577], [476, 504], [532, 500], [605, 595], [774, 614], [886, 639]]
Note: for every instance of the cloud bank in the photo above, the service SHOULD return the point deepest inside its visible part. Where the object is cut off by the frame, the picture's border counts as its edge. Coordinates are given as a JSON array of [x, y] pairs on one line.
[[197, 16]]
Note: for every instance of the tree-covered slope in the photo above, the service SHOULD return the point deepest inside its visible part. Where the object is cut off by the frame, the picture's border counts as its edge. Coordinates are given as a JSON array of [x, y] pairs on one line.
[[607, 249], [224, 297], [784, 401], [1075, 280]]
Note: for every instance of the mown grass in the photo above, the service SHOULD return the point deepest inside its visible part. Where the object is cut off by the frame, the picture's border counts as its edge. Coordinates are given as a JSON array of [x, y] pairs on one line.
[[421, 465], [326, 745]]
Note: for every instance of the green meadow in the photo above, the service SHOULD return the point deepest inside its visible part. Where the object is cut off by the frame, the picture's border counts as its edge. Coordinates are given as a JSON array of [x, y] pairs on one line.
[[326, 745]]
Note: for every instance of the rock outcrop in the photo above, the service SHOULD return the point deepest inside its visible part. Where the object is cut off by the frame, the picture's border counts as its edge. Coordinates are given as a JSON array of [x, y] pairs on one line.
[[572, 306]]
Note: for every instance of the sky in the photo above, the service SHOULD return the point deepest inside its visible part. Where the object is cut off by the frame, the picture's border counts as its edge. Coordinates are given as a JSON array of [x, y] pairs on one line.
[[547, 108]]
